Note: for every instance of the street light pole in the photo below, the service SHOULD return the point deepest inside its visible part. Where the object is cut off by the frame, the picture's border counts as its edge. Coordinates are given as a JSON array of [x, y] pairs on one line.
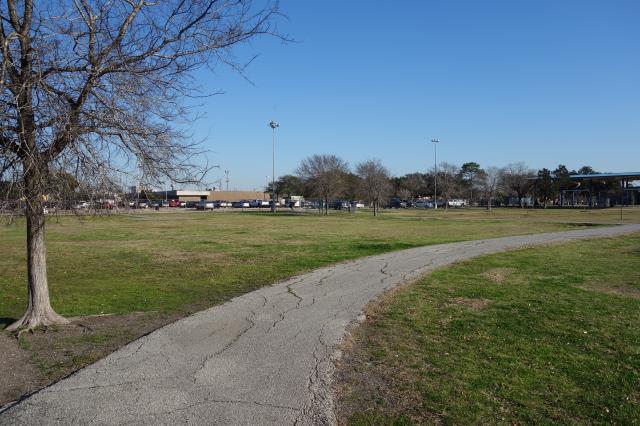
[[274, 125], [435, 174], [266, 188]]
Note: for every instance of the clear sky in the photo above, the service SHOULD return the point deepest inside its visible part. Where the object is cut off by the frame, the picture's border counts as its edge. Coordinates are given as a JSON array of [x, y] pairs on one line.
[[544, 82]]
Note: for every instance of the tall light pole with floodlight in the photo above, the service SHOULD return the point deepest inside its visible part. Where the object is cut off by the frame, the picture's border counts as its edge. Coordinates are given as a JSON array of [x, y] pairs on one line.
[[435, 174], [274, 125]]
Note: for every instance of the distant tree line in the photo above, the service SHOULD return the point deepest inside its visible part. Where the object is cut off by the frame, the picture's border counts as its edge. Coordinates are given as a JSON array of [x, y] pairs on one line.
[[327, 177]]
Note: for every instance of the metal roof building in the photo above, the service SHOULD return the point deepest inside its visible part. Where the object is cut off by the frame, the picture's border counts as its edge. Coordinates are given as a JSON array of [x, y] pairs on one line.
[[605, 189], [608, 176]]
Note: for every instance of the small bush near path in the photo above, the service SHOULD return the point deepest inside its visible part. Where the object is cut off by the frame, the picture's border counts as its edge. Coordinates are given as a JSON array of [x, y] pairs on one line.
[[544, 335]]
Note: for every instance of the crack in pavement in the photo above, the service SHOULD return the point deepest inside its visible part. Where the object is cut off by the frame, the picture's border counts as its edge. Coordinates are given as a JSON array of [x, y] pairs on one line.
[[226, 347], [262, 364], [282, 315]]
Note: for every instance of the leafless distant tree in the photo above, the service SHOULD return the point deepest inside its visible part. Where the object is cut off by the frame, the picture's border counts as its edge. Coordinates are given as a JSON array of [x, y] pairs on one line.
[[95, 85], [448, 181], [418, 184], [490, 179], [375, 183], [516, 179], [323, 174]]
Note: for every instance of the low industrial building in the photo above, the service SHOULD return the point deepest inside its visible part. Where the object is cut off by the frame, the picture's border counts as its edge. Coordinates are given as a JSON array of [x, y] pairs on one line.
[[196, 195]]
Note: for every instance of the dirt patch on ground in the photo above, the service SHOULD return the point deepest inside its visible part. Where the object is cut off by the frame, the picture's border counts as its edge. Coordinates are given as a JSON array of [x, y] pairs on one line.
[[46, 355], [619, 290], [18, 376], [498, 275], [475, 304]]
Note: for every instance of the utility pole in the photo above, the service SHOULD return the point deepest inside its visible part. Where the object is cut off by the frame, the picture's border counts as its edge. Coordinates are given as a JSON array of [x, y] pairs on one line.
[[226, 173], [435, 174], [274, 125]]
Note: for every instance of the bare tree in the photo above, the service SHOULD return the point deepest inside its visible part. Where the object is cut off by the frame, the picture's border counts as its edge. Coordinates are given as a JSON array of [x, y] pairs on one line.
[[418, 184], [516, 179], [323, 174], [374, 181], [448, 181], [95, 85], [490, 183]]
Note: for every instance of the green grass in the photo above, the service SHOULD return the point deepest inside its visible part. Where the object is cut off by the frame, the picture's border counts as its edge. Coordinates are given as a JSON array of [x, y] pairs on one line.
[[182, 262], [545, 335]]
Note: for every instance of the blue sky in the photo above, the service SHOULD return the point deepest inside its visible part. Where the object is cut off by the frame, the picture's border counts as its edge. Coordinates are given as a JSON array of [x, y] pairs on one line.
[[544, 82]]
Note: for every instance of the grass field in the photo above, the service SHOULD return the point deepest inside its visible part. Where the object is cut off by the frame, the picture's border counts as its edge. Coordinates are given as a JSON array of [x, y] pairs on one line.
[[172, 262], [538, 336], [141, 270]]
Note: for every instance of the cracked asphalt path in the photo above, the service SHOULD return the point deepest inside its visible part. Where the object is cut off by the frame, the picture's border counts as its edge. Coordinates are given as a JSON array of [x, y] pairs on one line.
[[263, 358]]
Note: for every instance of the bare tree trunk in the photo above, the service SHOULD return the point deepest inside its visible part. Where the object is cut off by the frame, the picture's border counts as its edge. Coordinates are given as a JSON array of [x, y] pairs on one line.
[[375, 208], [39, 311]]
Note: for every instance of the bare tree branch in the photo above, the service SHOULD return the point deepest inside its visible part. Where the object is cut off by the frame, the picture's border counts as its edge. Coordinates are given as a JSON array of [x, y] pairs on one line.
[[97, 87]]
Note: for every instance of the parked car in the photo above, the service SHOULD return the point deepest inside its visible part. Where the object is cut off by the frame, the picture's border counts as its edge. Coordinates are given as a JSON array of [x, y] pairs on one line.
[[341, 205], [398, 203], [85, 205], [142, 204], [255, 203], [191, 204], [106, 204], [423, 204], [174, 203], [456, 203], [241, 204], [205, 205]]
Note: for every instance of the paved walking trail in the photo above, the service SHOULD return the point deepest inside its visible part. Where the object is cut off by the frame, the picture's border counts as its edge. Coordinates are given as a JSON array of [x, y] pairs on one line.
[[262, 358]]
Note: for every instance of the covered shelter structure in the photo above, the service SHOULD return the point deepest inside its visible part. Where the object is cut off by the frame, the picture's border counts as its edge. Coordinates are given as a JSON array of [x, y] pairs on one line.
[[602, 190]]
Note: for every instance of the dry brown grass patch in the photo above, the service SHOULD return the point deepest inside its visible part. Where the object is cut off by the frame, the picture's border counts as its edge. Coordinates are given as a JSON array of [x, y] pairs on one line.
[[475, 304], [189, 256], [498, 275], [617, 290]]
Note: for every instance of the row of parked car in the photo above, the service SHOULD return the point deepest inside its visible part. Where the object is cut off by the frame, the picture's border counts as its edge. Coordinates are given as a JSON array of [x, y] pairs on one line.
[[425, 204], [216, 204]]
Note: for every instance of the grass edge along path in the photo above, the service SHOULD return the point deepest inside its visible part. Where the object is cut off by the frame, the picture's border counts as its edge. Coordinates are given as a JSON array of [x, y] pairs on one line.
[[536, 335]]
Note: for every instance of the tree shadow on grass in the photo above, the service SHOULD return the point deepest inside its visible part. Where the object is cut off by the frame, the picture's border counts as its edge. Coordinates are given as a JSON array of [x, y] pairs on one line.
[[5, 322]]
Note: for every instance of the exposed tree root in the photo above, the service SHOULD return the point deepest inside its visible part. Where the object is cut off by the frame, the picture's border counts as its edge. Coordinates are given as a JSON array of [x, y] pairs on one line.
[[31, 320]]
